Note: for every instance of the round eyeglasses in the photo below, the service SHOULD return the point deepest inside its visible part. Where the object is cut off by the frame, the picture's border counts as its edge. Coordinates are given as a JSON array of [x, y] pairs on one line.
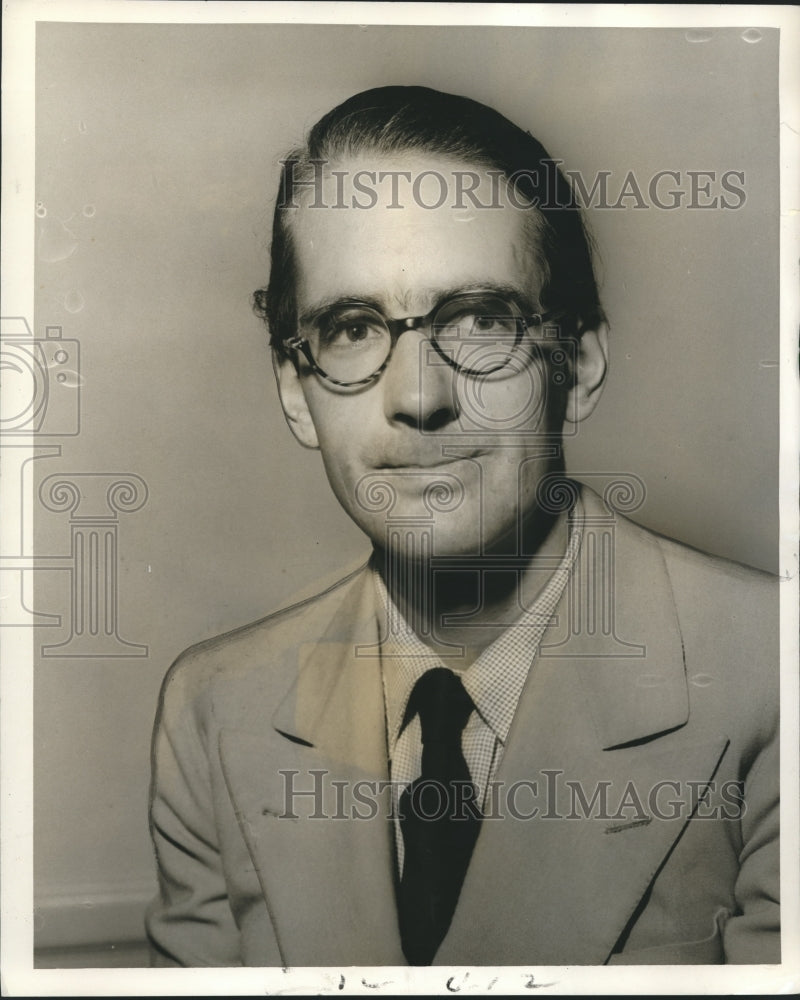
[[477, 333]]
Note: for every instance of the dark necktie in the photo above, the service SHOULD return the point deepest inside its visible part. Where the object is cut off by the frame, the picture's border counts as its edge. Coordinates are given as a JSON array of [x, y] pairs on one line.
[[439, 816]]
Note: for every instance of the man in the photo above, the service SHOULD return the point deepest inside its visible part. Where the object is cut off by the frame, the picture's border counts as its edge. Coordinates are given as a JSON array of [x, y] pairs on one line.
[[527, 731]]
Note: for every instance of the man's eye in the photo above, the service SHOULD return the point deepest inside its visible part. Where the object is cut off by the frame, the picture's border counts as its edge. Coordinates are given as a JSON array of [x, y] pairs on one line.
[[480, 324], [477, 318], [351, 332]]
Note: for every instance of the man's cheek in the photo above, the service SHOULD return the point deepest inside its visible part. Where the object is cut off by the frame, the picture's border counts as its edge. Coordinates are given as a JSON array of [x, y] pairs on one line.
[[340, 474]]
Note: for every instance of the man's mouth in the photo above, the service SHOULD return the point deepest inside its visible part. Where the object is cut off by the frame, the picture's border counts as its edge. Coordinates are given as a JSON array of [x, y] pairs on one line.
[[427, 463]]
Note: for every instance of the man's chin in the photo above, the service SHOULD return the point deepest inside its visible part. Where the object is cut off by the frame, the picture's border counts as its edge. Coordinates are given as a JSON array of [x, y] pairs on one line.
[[420, 543]]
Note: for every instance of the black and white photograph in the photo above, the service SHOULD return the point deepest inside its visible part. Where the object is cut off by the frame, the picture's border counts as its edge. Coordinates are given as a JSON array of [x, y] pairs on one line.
[[399, 444]]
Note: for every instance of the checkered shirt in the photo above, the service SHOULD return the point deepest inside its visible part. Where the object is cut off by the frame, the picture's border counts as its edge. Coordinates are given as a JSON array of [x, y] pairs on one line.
[[494, 682]]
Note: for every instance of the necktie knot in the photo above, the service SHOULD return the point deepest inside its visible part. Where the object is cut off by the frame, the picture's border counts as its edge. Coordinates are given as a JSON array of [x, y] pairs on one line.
[[443, 705]]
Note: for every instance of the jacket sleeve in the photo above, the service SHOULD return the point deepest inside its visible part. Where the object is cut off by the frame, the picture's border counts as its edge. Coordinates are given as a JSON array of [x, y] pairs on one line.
[[190, 923], [752, 935]]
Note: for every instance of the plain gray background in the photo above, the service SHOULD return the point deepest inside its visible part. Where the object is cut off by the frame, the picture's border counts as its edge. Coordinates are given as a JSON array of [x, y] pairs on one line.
[[157, 160]]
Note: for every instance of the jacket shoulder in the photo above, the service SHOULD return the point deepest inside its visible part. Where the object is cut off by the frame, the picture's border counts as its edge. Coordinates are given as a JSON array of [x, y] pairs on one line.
[[267, 647], [727, 618], [721, 605], [690, 570], [698, 564], [706, 581]]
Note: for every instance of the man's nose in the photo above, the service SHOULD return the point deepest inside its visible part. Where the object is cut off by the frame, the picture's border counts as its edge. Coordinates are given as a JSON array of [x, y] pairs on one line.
[[419, 387]]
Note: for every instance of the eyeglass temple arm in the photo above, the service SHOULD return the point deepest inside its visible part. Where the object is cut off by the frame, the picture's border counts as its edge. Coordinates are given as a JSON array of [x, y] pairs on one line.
[[295, 344]]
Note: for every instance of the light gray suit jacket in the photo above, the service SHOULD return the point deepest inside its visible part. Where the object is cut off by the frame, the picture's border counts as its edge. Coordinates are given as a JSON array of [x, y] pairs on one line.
[[666, 880]]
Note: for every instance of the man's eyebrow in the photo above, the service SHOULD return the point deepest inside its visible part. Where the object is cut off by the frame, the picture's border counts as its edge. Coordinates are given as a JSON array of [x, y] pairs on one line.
[[328, 305], [500, 288], [434, 295]]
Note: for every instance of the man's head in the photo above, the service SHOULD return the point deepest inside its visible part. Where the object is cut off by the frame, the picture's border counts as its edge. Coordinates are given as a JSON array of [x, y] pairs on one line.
[[407, 203]]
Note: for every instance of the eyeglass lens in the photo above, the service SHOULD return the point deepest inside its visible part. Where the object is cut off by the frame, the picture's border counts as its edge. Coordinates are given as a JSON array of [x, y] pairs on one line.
[[476, 333]]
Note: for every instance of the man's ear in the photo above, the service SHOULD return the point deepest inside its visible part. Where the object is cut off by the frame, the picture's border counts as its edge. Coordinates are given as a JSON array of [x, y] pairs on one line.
[[591, 365], [293, 401]]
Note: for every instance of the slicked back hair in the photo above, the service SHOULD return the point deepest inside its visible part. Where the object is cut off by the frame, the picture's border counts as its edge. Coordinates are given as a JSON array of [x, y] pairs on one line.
[[396, 120]]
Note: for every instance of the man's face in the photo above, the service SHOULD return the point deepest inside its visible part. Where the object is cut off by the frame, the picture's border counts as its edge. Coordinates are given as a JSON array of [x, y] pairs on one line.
[[423, 444]]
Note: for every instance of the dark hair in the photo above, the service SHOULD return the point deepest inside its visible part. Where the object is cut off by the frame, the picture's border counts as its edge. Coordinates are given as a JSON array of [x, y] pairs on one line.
[[418, 119]]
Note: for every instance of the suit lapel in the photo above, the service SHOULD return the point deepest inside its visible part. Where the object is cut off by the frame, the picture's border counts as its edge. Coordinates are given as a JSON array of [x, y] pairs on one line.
[[603, 707], [549, 890], [328, 882], [560, 891], [617, 627]]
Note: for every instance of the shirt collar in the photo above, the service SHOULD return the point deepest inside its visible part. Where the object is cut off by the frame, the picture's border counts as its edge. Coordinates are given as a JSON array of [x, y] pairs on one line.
[[495, 680]]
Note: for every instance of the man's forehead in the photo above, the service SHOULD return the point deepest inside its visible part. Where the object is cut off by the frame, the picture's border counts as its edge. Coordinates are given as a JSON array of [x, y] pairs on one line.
[[404, 179], [406, 227]]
